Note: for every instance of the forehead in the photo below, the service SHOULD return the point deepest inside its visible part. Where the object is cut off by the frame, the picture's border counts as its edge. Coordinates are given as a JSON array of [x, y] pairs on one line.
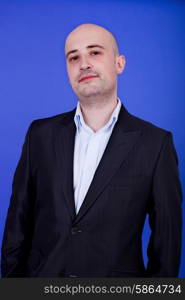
[[81, 39]]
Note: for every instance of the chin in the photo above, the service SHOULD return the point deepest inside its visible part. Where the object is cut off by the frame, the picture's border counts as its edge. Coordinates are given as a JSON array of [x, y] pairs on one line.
[[88, 92]]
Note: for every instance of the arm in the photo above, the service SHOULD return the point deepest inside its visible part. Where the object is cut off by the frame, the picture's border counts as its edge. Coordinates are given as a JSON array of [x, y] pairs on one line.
[[165, 217], [19, 221]]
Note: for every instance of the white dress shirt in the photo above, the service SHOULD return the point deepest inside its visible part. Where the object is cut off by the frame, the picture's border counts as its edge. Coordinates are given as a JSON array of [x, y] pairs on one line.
[[88, 150]]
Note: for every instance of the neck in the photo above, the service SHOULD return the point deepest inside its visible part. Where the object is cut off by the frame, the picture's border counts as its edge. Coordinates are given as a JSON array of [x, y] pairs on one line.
[[97, 113]]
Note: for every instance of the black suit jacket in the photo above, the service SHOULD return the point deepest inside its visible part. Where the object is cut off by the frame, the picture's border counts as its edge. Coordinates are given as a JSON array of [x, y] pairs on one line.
[[137, 175]]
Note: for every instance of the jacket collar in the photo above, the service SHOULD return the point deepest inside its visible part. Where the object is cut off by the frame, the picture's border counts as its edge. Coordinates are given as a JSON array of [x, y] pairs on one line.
[[124, 136]]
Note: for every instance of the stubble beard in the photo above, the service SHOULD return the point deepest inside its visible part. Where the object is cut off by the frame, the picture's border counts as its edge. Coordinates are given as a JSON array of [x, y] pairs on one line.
[[94, 94], [89, 91]]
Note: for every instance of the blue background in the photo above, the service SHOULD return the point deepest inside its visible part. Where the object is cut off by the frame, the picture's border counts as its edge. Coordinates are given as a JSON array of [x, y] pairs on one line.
[[34, 83]]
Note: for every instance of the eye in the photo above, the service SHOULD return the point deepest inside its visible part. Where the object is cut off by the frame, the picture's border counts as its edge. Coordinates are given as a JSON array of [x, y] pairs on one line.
[[74, 58], [95, 52]]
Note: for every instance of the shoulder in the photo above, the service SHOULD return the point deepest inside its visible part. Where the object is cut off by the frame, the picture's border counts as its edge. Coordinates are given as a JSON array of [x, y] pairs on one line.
[[151, 134], [148, 126], [54, 119], [153, 139], [134, 123], [48, 124]]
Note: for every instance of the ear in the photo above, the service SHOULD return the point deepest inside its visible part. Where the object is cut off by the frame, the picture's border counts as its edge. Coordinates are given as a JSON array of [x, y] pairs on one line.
[[120, 64]]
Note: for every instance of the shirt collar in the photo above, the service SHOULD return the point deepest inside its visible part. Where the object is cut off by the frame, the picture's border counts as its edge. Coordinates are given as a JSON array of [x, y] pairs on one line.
[[80, 123]]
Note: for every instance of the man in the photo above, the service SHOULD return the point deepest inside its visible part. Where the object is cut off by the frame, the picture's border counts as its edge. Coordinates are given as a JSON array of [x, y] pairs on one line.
[[87, 179]]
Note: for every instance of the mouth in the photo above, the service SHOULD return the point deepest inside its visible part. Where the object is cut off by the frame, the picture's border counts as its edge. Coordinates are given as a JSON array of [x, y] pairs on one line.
[[88, 77]]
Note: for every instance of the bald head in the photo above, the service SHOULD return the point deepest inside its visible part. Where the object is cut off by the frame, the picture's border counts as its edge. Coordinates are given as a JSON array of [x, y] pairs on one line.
[[93, 62], [92, 30]]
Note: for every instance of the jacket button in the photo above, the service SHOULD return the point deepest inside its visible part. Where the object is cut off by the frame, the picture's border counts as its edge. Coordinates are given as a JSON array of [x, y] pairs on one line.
[[75, 230]]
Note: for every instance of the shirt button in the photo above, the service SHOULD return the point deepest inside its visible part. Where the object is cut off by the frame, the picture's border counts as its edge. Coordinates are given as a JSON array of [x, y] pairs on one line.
[[75, 230]]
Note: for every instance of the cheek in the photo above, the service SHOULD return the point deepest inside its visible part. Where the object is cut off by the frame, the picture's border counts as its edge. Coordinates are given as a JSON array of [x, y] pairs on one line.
[[110, 74], [72, 74], [109, 70]]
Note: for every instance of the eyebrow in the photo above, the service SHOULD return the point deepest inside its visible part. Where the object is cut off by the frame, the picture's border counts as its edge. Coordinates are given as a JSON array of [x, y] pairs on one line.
[[88, 47]]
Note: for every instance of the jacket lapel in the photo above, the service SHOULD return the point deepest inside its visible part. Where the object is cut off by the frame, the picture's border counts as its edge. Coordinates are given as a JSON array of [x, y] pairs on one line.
[[64, 150], [122, 140]]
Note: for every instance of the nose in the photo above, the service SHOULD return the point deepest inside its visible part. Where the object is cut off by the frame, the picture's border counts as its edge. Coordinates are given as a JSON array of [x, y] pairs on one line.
[[85, 64]]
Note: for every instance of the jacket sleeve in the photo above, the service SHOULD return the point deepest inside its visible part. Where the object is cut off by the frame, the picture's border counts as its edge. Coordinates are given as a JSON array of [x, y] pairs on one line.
[[19, 222], [165, 215]]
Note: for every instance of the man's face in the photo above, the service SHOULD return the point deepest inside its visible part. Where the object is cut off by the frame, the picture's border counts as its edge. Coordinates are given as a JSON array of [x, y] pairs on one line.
[[92, 64]]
